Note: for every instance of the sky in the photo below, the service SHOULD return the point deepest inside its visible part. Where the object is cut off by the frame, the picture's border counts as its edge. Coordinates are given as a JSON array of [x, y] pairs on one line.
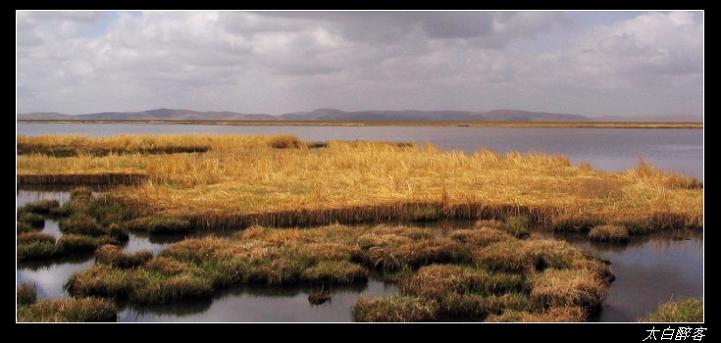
[[624, 64]]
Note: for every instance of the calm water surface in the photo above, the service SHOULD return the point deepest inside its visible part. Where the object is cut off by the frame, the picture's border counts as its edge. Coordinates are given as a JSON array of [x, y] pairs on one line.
[[680, 150]]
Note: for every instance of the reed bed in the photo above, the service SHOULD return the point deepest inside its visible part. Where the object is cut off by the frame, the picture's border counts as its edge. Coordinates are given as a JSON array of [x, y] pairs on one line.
[[73, 145], [247, 180]]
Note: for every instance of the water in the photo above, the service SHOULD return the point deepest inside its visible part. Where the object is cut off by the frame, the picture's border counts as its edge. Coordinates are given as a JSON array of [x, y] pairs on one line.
[[262, 304], [649, 271], [680, 150]]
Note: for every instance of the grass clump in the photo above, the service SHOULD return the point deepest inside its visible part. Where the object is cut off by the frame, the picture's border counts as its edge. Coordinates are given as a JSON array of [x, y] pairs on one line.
[[42, 207], [480, 237], [609, 233], [318, 297], [72, 243], [25, 227], [137, 285], [677, 310], [30, 219], [36, 250], [159, 225], [395, 308], [568, 287], [335, 272], [516, 226], [81, 224], [68, 310], [32, 237], [553, 314], [466, 292], [112, 255], [26, 294], [397, 248]]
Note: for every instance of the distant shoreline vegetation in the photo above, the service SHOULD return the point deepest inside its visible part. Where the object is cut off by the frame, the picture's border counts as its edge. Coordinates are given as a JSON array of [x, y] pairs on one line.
[[421, 123]]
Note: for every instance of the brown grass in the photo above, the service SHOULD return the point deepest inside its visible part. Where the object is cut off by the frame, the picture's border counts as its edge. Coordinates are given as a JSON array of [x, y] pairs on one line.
[[68, 310], [243, 180], [609, 233]]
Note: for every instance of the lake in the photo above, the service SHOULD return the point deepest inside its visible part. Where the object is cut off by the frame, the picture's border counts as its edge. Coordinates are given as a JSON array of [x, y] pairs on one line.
[[679, 150]]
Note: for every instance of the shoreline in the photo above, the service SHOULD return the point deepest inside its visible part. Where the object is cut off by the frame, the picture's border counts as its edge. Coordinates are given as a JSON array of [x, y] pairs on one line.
[[478, 124]]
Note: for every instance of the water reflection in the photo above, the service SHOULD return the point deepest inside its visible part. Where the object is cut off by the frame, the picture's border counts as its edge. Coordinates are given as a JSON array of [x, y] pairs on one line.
[[263, 304]]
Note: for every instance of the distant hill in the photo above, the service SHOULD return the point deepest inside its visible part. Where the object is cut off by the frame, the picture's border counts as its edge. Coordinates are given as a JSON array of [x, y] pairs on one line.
[[654, 118], [326, 114]]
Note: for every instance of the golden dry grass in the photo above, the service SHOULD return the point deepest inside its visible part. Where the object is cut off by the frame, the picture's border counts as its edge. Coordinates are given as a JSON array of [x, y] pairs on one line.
[[243, 180]]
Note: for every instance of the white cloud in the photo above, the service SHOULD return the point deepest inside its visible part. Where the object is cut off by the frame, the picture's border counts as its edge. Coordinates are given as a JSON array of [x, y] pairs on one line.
[[275, 62]]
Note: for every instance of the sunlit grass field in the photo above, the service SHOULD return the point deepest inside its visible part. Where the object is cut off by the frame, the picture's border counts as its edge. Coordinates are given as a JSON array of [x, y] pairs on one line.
[[281, 179]]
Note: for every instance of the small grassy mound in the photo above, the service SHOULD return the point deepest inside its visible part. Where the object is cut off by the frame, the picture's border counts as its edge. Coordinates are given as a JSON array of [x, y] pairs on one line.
[[159, 225], [516, 226], [68, 310], [36, 250], [334, 272], [31, 237], [112, 255], [26, 294], [609, 233], [553, 314], [395, 308], [393, 249], [31, 219], [42, 207], [83, 225], [681, 310], [568, 287], [71, 243], [143, 286], [318, 297], [23, 227]]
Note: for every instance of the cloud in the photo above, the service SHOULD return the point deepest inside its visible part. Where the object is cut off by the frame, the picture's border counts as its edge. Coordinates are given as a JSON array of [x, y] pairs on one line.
[[276, 62]]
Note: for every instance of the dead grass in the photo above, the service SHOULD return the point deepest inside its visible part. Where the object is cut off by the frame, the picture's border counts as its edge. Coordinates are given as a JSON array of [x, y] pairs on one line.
[[609, 233], [394, 309], [26, 294], [112, 255], [244, 180], [68, 310]]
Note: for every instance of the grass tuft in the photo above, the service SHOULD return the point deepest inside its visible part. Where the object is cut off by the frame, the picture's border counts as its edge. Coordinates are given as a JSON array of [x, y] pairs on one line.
[[112, 255], [395, 309], [26, 293], [159, 225], [68, 310], [609, 233], [677, 310]]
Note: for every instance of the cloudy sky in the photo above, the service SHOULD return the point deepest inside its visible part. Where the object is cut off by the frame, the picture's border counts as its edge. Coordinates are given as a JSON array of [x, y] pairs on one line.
[[591, 63]]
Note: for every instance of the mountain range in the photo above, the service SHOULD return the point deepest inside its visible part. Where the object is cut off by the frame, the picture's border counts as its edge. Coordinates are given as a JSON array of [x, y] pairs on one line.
[[330, 114]]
